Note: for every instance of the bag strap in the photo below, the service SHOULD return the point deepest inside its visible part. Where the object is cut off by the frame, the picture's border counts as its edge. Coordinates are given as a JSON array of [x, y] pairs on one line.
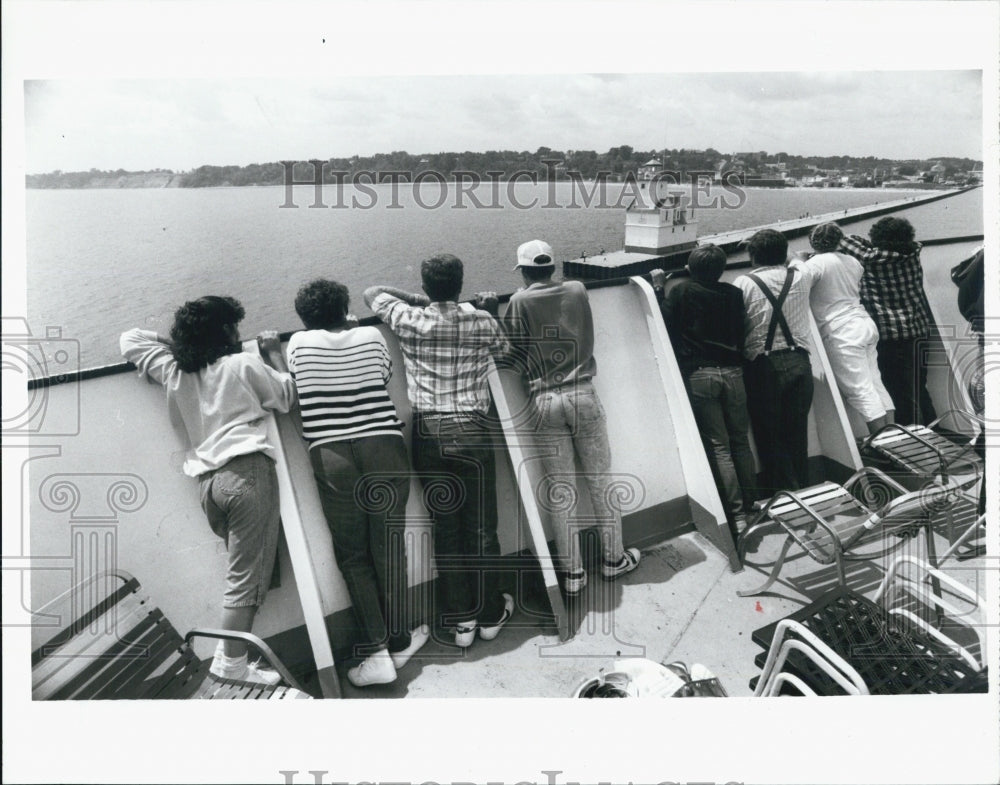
[[777, 317]]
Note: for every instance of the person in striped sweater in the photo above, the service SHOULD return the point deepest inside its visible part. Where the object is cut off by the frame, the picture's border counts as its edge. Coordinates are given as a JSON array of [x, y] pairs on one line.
[[362, 472]]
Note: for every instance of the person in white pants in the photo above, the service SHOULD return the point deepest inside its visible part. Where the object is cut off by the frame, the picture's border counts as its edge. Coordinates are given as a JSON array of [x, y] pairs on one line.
[[849, 334]]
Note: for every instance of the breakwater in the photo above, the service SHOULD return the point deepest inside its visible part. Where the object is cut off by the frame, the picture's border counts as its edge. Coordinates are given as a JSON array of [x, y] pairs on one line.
[[622, 264]]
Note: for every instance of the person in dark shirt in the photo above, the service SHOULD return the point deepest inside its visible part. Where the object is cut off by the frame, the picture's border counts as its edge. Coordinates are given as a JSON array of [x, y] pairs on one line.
[[706, 321], [970, 278]]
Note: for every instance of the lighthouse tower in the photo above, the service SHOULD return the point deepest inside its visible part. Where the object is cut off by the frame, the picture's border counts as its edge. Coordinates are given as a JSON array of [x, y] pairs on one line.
[[660, 221]]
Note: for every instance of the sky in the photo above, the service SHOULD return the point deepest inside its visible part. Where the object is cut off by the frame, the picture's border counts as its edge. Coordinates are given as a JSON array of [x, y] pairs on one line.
[[179, 124]]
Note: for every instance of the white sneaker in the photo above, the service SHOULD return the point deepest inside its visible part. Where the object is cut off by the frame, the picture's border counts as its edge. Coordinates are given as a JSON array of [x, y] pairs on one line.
[[628, 562], [261, 674], [465, 634], [418, 638], [375, 669], [489, 633], [238, 669]]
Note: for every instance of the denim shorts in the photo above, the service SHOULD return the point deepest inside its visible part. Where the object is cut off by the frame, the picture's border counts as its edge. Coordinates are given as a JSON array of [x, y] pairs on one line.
[[241, 502]]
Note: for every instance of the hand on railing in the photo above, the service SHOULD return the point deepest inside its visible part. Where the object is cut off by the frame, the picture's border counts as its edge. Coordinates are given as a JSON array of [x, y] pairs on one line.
[[270, 350], [488, 302]]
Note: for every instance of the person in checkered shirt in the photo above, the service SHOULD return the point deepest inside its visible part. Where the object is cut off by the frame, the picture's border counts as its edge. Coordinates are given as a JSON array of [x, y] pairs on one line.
[[892, 291], [447, 348]]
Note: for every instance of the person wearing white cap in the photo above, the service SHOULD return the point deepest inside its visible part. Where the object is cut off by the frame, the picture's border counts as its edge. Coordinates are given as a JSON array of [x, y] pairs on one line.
[[552, 339]]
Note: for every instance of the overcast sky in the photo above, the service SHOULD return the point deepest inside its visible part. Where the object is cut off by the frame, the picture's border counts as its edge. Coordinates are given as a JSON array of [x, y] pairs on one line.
[[181, 124]]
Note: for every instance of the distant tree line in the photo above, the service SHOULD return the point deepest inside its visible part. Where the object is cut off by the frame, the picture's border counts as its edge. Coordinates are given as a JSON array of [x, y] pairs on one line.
[[545, 163]]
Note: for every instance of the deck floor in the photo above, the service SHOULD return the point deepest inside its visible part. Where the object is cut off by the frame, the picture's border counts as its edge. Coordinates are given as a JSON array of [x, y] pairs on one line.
[[680, 604]]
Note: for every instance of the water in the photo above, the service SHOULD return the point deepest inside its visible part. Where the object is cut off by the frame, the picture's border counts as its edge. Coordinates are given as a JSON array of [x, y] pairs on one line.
[[102, 261]]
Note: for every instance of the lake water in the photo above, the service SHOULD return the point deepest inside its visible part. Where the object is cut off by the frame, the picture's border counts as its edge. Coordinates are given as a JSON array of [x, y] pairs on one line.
[[102, 261]]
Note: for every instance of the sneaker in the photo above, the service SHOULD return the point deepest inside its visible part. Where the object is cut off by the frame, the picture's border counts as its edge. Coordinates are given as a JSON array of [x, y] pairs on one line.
[[261, 674], [465, 634], [238, 669], [490, 632], [375, 669], [628, 562], [575, 581], [418, 638]]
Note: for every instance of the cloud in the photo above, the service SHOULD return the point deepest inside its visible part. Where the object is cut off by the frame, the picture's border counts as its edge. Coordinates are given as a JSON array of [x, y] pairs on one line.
[[180, 124]]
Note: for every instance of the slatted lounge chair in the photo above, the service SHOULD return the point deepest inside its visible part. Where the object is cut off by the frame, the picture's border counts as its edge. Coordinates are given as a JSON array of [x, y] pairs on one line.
[[832, 522], [891, 648], [926, 453], [123, 647], [923, 455]]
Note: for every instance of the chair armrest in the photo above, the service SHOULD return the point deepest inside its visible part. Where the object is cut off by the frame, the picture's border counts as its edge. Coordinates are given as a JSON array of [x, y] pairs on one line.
[[894, 574], [815, 649], [871, 471], [252, 640], [121, 575]]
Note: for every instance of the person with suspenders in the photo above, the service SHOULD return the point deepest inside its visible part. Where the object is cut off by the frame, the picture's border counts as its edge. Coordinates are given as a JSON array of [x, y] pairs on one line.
[[778, 374]]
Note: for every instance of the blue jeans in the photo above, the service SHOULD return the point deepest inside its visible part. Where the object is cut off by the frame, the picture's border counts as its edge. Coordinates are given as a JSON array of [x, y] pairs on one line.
[[573, 425], [719, 401], [455, 457], [364, 484], [240, 500], [779, 396]]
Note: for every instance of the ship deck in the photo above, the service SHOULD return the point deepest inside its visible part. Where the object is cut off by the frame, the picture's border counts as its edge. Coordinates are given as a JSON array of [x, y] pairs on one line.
[[680, 604]]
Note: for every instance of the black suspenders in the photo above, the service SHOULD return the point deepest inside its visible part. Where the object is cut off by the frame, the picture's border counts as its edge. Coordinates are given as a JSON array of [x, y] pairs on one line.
[[777, 317]]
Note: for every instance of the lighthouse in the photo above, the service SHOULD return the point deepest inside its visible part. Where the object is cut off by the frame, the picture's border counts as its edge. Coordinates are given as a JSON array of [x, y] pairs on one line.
[[660, 221]]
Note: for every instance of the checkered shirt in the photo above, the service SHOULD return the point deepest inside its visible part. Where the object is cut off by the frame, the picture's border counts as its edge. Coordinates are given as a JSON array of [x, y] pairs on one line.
[[446, 350], [892, 289]]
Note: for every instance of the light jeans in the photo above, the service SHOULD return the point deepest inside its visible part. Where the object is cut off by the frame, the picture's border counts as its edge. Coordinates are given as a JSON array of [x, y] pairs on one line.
[[240, 500], [572, 424]]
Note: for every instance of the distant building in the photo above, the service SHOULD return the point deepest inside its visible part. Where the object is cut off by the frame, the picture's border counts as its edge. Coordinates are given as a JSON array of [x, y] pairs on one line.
[[650, 168]]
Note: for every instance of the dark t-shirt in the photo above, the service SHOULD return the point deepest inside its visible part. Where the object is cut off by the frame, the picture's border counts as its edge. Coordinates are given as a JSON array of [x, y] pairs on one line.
[[706, 322]]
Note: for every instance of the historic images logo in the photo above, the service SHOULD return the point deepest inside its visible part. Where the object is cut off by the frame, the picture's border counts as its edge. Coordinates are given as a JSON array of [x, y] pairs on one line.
[[462, 189]]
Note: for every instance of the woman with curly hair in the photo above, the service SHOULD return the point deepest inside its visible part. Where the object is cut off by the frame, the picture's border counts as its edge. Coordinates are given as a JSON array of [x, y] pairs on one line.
[[849, 334], [892, 291], [221, 395], [362, 472]]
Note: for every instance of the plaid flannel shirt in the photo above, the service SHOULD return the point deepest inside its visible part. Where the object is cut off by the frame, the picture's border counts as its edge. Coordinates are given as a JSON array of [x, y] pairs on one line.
[[892, 289], [446, 350]]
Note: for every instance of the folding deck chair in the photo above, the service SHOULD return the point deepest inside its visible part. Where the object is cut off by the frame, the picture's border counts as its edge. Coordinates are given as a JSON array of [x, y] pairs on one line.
[[829, 520], [844, 642], [777, 673], [123, 647], [923, 455]]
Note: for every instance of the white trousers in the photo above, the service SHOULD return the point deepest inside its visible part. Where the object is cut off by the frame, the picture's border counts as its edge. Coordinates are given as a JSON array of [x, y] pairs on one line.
[[850, 346]]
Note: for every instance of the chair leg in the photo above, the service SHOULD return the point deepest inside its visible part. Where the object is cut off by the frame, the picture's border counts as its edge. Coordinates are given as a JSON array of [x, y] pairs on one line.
[[841, 574], [960, 541], [741, 541], [932, 560], [774, 572]]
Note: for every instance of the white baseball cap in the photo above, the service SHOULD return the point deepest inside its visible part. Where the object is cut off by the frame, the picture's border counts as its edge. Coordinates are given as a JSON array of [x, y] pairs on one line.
[[535, 253]]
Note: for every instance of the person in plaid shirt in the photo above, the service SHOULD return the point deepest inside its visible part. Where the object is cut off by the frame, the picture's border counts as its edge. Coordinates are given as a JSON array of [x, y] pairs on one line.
[[447, 349], [892, 291]]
